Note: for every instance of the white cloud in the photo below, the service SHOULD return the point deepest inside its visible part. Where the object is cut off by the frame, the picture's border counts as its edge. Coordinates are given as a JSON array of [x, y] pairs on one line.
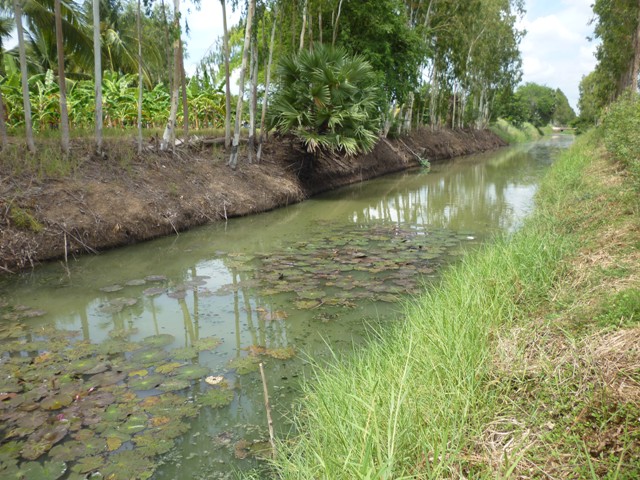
[[555, 50]]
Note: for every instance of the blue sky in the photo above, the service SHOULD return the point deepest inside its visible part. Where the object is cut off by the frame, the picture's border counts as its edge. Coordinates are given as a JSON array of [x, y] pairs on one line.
[[555, 51]]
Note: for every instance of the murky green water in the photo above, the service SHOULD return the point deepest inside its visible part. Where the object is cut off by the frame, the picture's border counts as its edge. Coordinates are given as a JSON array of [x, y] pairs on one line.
[[104, 366]]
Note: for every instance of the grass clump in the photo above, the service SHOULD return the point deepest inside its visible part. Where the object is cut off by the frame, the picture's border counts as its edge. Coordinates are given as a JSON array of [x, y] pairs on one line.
[[504, 369], [22, 219], [513, 134]]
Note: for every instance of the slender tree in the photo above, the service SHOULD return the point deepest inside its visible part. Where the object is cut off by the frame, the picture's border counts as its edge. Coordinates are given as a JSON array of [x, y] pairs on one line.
[[253, 99], [97, 55], [26, 101], [139, 28], [227, 115], [267, 82], [233, 159], [169, 136], [64, 114]]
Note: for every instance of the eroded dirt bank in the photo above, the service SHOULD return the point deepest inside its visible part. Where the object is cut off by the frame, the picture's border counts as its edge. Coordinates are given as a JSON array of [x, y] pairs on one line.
[[103, 205]]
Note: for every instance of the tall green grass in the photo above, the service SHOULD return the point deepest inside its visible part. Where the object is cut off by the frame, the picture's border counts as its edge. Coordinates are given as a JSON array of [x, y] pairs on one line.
[[407, 405], [512, 134]]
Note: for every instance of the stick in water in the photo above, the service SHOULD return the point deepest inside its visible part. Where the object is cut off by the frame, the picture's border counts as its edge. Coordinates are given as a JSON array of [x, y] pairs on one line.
[[272, 439]]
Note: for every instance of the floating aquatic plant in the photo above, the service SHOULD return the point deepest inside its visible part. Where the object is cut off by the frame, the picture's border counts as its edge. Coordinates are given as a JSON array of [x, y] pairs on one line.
[[157, 341], [209, 343], [216, 398], [244, 365]]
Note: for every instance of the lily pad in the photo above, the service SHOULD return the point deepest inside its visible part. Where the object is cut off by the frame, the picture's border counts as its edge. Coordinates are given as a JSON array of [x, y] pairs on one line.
[[244, 365], [209, 343], [110, 377], [43, 471], [128, 465], [146, 358], [155, 278], [284, 353], [191, 372], [158, 341], [146, 383], [174, 384], [185, 353], [217, 398], [168, 367], [136, 282], [153, 291], [56, 402], [112, 288], [151, 445], [88, 464], [82, 365]]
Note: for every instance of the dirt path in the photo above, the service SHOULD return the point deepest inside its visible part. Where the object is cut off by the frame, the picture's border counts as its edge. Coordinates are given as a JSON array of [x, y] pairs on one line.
[[103, 205]]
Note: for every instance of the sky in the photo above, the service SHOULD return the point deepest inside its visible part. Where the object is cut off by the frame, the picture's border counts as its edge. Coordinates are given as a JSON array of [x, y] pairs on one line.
[[555, 50]]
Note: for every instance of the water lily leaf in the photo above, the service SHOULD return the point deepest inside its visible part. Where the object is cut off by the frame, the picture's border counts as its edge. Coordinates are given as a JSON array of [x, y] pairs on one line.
[[244, 365], [284, 353], [44, 471], [177, 294], [110, 377], [113, 346], [43, 440], [211, 380], [67, 451], [174, 384], [307, 304], [83, 365], [136, 282], [88, 464], [139, 373], [244, 449], [168, 367], [153, 291], [191, 372], [217, 398], [114, 413], [128, 465], [185, 353], [113, 443], [155, 278], [209, 343], [146, 383], [112, 288], [146, 358], [158, 341], [56, 402], [150, 445], [135, 423]]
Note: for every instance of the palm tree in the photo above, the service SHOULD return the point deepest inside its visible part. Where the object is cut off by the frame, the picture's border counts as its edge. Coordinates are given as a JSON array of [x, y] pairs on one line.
[[64, 114], [169, 136], [17, 8]]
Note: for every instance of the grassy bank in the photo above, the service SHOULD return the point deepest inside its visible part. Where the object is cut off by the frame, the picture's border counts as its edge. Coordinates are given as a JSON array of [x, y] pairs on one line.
[[494, 372]]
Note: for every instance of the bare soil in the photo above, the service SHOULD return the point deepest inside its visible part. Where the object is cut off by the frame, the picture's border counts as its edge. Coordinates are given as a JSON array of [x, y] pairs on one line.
[[108, 202]]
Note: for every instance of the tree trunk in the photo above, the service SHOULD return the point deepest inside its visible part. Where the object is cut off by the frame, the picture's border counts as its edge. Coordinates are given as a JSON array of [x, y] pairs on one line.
[[185, 103], [233, 159], [267, 81], [335, 25], [409, 114], [320, 26], [3, 125], [635, 70], [227, 117], [97, 62], [167, 45], [253, 99], [169, 136], [304, 24], [64, 114], [139, 28], [26, 102]]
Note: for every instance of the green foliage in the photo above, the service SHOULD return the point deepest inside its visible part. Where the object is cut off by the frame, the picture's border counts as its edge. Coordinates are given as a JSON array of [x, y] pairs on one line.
[[621, 126], [622, 310], [22, 219], [327, 99], [514, 133], [563, 114], [538, 103]]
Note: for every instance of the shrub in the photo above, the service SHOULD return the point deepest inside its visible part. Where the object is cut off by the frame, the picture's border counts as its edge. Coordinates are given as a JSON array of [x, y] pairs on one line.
[[621, 126], [328, 100]]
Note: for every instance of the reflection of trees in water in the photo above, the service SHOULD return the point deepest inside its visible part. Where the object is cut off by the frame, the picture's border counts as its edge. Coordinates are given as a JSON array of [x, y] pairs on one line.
[[458, 196]]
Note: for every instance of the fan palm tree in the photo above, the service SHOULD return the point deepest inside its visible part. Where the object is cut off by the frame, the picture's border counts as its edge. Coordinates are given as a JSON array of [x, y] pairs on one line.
[[64, 114]]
